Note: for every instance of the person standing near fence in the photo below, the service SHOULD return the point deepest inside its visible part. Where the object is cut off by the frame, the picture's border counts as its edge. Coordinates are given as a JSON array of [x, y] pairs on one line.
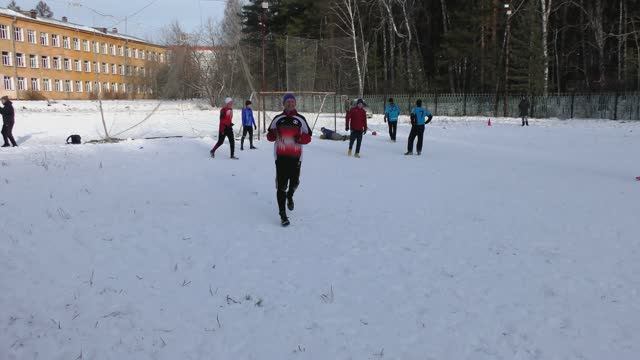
[[8, 120], [391, 115], [524, 110], [289, 131], [356, 121], [226, 128], [248, 125], [418, 122]]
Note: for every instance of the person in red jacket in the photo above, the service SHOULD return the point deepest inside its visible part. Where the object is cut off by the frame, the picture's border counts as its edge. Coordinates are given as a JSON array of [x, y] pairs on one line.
[[357, 122], [226, 128], [289, 131]]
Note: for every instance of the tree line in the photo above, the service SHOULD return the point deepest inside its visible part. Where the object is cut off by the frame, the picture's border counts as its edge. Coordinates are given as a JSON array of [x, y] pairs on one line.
[[501, 47]]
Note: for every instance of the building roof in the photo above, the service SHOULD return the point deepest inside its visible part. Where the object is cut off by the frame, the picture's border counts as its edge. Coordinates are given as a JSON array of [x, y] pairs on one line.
[[72, 26]]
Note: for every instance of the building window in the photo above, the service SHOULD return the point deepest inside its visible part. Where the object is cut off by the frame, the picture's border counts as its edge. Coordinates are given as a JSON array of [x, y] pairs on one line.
[[142, 54], [66, 43], [35, 84], [128, 70], [104, 48], [31, 36], [17, 34], [78, 86], [20, 60], [120, 51], [57, 85], [107, 87], [96, 68], [56, 63], [87, 66], [87, 86], [135, 53], [144, 71], [55, 40], [105, 68], [114, 68], [67, 64], [67, 86], [22, 83], [6, 58], [76, 44], [85, 45], [96, 47], [33, 61], [8, 83], [77, 65], [115, 87], [44, 39], [4, 32], [161, 58], [45, 62], [122, 70], [97, 86], [46, 84], [112, 50]]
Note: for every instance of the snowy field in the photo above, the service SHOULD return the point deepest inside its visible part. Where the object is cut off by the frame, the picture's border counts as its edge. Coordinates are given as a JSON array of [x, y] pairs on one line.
[[499, 242]]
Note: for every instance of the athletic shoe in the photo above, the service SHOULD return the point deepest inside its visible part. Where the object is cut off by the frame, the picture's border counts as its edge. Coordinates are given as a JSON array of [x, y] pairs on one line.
[[357, 155], [419, 153], [234, 158], [284, 220], [6, 145], [290, 204], [409, 153], [212, 153], [253, 148]]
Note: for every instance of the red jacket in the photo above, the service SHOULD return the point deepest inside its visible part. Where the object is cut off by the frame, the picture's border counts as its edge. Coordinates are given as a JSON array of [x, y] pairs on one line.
[[357, 119], [226, 115], [289, 132]]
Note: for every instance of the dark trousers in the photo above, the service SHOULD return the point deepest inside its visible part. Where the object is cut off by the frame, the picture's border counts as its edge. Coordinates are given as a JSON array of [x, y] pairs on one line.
[[228, 132], [246, 130], [7, 133], [393, 130], [287, 180], [416, 131], [356, 135]]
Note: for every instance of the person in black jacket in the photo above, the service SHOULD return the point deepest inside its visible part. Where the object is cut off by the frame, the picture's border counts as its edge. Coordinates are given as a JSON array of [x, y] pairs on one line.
[[8, 120], [524, 110]]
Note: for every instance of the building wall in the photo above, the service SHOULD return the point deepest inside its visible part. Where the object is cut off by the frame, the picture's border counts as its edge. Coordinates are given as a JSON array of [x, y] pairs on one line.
[[131, 85]]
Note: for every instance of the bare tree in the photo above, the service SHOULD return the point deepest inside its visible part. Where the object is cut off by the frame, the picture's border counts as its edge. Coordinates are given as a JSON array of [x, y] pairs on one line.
[[546, 6], [350, 23]]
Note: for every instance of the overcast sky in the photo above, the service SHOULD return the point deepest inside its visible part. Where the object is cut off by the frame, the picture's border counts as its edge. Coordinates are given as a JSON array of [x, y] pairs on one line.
[[146, 24]]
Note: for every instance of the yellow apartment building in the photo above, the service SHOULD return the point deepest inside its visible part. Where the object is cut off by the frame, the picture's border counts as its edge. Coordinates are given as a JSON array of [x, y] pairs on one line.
[[56, 59]]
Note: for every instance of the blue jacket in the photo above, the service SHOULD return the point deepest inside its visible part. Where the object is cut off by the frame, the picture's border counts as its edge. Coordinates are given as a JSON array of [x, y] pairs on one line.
[[247, 117], [392, 112], [420, 114]]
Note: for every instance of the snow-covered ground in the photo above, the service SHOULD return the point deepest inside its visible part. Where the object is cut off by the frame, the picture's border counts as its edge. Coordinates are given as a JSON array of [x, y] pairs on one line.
[[499, 242]]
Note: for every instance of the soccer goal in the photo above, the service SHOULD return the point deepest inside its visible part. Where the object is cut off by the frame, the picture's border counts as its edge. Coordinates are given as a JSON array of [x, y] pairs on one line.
[[319, 108]]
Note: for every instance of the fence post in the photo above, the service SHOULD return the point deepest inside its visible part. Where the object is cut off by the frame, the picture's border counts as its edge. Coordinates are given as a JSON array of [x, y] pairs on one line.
[[573, 98], [464, 104], [615, 107]]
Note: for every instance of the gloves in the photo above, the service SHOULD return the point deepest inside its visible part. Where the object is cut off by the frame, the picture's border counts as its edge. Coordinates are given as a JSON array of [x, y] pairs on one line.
[[255, 127]]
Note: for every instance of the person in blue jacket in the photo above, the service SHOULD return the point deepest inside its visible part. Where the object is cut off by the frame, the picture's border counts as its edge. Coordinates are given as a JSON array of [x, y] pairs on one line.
[[248, 125], [418, 122], [391, 114]]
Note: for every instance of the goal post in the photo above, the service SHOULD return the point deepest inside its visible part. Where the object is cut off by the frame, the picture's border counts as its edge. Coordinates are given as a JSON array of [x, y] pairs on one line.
[[313, 103]]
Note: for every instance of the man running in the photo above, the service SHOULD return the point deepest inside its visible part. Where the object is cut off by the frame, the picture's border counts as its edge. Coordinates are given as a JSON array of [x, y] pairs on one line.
[[391, 115], [248, 125], [356, 121], [289, 131], [226, 128], [418, 115]]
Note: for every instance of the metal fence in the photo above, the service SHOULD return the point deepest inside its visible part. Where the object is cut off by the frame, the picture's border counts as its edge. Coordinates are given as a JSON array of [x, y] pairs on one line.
[[566, 106]]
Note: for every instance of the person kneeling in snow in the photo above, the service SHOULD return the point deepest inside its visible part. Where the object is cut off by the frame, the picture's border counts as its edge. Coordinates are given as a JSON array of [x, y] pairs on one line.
[[289, 131], [226, 128], [332, 135]]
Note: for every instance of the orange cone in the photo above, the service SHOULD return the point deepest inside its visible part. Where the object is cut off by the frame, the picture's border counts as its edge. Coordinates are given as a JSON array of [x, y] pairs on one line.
[[489, 122]]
